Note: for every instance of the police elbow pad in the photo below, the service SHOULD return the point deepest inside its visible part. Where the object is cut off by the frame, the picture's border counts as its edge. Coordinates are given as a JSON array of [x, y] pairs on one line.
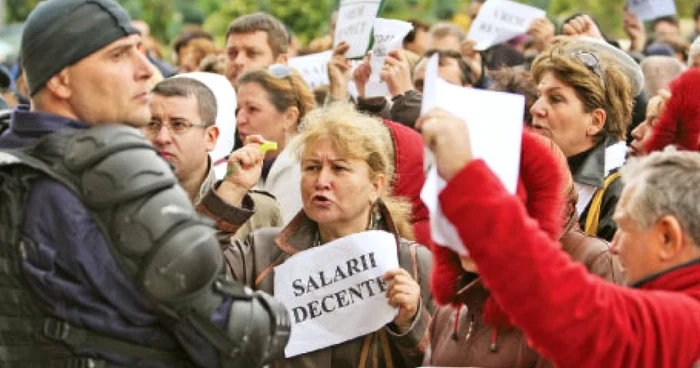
[[259, 326], [158, 239]]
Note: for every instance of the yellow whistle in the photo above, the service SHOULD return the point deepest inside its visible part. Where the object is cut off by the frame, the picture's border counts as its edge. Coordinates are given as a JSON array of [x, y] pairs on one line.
[[268, 146]]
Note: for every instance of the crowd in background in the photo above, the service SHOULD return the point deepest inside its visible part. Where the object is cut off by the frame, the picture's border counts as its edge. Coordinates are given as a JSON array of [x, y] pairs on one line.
[[594, 261]]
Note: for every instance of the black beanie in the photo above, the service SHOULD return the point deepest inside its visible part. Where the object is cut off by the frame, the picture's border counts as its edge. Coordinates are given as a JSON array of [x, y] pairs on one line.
[[60, 33]]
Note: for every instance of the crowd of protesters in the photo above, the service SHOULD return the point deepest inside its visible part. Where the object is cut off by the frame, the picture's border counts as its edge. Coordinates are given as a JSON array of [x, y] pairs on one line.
[[144, 214]]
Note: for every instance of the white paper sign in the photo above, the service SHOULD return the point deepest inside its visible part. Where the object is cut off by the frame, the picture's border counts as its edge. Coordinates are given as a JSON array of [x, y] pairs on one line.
[[335, 293], [313, 68], [501, 20], [651, 9], [495, 121], [355, 20], [388, 35]]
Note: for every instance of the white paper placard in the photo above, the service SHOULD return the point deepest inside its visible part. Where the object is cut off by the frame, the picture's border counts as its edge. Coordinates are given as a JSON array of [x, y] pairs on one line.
[[495, 121], [334, 292], [651, 9], [355, 20], [313, 68], [500, 20], [388, 35]]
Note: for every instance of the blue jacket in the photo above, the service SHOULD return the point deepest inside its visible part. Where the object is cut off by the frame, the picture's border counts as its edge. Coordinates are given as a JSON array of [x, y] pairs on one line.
[[70, 266]]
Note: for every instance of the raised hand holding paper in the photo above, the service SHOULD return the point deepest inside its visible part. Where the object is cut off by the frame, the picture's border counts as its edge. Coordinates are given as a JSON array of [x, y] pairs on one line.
[[355, 21], [495, 122], [651, 9], [388, 35], [501, 20], [335, 292]]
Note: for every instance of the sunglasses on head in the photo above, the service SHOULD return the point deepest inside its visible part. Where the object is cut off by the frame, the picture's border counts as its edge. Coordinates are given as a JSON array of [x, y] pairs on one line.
[[281, 71], [590, 61]]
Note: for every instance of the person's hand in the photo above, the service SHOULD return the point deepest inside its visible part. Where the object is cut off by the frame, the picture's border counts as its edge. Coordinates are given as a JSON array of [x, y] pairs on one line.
[[448, 137], [634, 28], [582, 25], [361, 75], [472, 57], [396, 73], [404, 293], [542, 31], [339, 69], [244, 170]]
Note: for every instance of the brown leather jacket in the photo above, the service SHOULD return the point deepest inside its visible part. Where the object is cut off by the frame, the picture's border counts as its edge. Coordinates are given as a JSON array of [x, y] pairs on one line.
[[252, 262], [471, 342]]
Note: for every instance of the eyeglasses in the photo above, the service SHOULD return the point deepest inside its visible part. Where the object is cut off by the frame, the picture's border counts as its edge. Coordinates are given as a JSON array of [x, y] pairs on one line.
[[590, 61], [280, 71], [176, 127]]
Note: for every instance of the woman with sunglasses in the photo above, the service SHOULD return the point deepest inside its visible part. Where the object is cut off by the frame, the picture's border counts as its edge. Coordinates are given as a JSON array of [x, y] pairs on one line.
[[271, 103], [584, 105]]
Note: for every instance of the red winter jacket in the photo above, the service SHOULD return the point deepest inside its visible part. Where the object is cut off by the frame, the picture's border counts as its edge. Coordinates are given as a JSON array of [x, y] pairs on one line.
[[410, 153], [572, 317]]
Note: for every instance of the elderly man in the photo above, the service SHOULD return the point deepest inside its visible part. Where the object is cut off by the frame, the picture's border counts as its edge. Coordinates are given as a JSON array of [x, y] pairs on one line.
[[254, 41], [694, 54], [184, 128], [659, 71], [104, 260], [572, 318]]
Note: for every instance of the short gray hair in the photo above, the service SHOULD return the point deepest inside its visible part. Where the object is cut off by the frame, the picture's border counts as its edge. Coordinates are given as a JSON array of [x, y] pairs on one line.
[[693, 50], [659, 71], [665, 183]]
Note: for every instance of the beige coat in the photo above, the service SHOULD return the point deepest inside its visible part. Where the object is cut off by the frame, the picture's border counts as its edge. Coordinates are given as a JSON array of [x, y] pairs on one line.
[[252, 263]]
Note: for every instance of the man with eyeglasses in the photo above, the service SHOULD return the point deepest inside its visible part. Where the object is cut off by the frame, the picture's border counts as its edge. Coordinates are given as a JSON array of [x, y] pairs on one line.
[[184, 110], [104, 262]]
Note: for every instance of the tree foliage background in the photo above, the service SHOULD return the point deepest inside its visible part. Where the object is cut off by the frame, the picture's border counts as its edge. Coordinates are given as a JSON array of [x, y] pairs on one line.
[[309, 18]]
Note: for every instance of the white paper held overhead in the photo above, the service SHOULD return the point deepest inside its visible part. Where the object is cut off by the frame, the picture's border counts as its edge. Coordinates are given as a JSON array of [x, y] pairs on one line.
[[651, 9], [355, 20], [313, 68], [500, 20], [495, 122], [388, 35]]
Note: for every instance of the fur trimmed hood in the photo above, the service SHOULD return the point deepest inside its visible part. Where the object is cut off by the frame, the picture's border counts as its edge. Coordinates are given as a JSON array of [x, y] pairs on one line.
[[541, 186]]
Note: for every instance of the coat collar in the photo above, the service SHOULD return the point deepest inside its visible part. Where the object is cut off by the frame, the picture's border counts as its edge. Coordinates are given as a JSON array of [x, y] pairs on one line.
[[473, 294], [683, 277], [36, 123], [300, 233], [208, 183], [600, 161]]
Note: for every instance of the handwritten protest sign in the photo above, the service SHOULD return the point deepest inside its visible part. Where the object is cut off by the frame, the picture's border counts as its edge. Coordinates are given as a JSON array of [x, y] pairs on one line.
[[388, 35], [501, 20], [651, 9], [495, 121], [355, 20], [335, 292], [313, 68]]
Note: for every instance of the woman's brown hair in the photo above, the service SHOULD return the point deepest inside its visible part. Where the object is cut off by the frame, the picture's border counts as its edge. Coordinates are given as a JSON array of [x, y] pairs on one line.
[[283, 92], [610, 91]]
